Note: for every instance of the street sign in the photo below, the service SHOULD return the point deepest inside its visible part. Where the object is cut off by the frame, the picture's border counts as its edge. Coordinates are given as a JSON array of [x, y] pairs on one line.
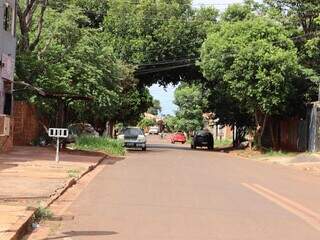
[[58, 133]]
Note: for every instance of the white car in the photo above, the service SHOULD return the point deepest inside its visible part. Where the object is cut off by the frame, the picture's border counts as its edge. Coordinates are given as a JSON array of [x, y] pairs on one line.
[[154, 130], [133, 137]]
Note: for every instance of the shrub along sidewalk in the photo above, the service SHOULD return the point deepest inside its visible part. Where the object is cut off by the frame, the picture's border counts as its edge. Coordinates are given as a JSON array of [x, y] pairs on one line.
[[30, 178], [101, 144]]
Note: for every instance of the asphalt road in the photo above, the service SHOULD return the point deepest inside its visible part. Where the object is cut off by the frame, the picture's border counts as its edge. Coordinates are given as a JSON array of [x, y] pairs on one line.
[[173, 193]]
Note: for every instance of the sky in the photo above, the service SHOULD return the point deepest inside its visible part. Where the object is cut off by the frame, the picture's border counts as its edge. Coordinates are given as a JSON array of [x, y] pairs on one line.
[[166, 96]]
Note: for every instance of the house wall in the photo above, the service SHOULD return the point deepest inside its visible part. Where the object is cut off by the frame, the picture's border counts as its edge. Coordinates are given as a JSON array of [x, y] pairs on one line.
[[7, 54]]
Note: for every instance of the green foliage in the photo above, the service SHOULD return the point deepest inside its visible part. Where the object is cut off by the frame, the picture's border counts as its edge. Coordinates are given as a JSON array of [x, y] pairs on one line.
[[171, 123], [223, 143], [75, 58], [256, 61], [146, 122], [101, 144], [74, 173], [42, 213], [272, 153], [304, 11], [152, 31], [191, 104], [239, 12], [155, 109]]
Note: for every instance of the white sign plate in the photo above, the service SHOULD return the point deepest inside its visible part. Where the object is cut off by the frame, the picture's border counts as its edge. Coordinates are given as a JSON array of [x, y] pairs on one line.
[[58, 132]]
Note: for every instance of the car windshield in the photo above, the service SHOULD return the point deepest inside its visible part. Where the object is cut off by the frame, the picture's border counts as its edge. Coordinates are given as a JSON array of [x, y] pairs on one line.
[[132, 132]]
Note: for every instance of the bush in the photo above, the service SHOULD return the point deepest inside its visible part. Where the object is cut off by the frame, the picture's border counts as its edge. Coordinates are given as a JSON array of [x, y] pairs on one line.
[[42, 213], [145, 123], [102, 144]]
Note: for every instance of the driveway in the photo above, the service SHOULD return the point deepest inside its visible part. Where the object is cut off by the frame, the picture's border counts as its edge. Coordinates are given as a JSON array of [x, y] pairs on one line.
[[171, 192]]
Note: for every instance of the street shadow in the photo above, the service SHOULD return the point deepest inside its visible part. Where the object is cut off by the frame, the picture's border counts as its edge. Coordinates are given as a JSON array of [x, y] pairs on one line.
[[83, 234], [5, 166], [27, 154], [167, 146]]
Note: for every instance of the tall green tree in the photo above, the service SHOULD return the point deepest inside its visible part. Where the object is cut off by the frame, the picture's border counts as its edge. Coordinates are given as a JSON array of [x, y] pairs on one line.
[[149, 32], [257, 62], [75, 59], [155, 109], [191, 104]]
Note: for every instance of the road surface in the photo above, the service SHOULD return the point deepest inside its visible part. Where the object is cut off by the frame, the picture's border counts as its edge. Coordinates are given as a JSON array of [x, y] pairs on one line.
[[171, 192]]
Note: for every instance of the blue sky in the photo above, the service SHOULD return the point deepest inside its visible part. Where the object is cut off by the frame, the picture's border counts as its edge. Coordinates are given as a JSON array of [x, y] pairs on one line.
[[166, 96]]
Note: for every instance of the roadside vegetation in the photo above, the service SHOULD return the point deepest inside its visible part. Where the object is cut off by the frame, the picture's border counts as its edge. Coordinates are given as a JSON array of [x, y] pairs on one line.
[[274, 153], [41, 214], [223, 143], [254, 62], [101, 144]]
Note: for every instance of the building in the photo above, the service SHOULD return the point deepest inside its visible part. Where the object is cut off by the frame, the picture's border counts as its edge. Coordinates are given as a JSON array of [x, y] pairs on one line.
[[220, 132], [7, 58]]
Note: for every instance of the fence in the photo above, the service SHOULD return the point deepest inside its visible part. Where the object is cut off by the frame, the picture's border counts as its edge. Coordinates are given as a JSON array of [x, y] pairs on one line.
[[286, 134]]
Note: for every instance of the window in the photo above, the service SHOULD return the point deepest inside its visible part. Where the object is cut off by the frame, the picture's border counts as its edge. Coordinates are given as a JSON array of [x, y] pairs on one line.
[[7, 18]]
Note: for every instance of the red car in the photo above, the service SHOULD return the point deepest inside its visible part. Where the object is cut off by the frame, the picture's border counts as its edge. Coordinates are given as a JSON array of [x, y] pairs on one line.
[[178, 137]]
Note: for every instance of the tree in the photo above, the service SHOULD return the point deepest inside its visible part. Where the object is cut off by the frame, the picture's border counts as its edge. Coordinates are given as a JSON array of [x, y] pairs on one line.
[[146, 122], [171, 123], [306, 11], [191, 105], [73, 59], [258, 64], [239, 12], [162, 37], [155, 109]]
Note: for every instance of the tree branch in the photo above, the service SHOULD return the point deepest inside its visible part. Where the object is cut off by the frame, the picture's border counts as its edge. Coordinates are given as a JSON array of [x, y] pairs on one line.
[[40, 24]]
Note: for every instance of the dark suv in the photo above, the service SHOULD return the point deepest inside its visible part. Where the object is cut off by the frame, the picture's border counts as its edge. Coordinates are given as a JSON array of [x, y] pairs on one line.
[[202, 139]]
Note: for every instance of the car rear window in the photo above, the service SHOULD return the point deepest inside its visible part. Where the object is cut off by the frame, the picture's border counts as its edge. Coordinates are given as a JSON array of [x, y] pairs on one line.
[[202, 133]]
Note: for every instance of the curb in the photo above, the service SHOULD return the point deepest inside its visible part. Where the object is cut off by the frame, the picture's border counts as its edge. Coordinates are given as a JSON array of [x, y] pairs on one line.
[[21, 227]]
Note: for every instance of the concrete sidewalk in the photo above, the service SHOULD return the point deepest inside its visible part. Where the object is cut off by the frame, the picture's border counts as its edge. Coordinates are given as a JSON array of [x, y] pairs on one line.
[[29, 176]]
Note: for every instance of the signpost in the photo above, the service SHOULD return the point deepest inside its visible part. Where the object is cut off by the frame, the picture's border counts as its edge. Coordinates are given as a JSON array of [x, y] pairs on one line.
[[58, 133]]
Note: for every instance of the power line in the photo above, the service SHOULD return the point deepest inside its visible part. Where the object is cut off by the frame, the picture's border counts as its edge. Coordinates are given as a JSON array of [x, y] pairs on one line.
[[156, 70], [182, 4], [183, 64], [166, 62]]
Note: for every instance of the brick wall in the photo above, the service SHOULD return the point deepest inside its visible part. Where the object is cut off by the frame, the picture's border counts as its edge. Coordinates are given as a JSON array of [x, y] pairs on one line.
[[26, 123], [6, 142]]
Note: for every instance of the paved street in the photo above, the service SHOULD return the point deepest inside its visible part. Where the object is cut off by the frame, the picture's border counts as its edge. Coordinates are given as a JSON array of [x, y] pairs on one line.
[[173, 193]]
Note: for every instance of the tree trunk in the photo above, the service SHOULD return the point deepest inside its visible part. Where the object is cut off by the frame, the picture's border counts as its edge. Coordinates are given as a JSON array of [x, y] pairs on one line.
[[260, 128], [274, 143]]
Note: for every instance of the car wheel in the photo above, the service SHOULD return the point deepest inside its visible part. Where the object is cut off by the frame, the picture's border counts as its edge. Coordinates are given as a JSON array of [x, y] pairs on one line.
[[144, 149]]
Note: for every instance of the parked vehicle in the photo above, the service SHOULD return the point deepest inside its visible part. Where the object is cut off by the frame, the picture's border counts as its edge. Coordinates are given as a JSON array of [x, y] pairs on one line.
[[80, 129], [202, 139], [154, 130], [133, 137], [178, 137]]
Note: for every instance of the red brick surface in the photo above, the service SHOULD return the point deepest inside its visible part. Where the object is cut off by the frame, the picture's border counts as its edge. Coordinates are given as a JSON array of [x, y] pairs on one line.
[[26, 123]]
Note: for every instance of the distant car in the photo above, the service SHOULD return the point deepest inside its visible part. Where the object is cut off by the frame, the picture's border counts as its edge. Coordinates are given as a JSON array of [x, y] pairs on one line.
[[154, 130], [80, 129], [133, 137], [178, 137], [202, 139]]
